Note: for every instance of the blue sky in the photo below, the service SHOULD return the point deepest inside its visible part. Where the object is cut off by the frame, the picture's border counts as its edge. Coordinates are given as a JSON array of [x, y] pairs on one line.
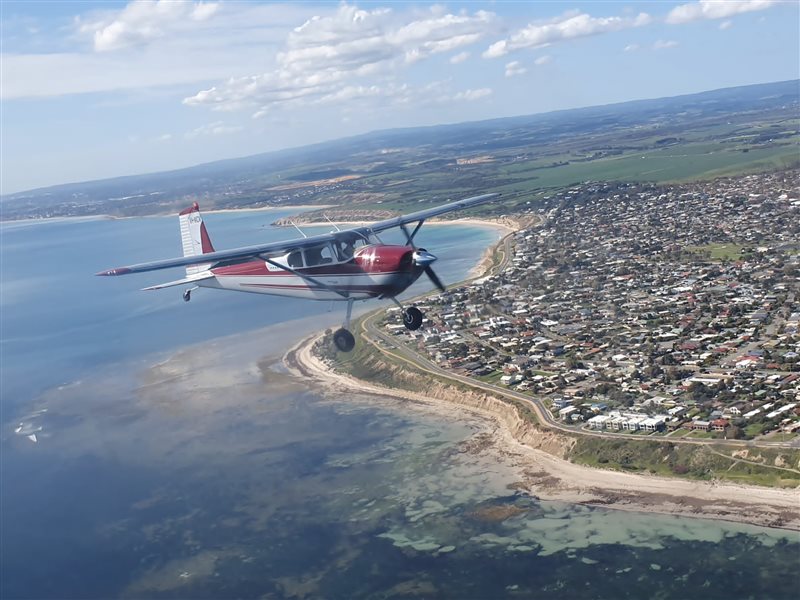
[[100, 89]]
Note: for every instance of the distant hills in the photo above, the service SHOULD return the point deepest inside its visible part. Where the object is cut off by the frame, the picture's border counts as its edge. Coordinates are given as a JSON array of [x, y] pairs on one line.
[[398, 166]]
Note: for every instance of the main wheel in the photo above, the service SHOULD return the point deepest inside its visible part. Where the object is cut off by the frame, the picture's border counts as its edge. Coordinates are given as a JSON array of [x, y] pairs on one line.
[[344, 340], [412, 318]]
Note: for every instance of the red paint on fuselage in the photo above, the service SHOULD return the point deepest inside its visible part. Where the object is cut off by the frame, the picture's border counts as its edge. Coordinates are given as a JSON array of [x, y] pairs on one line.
[[393, 264], [382, 259]]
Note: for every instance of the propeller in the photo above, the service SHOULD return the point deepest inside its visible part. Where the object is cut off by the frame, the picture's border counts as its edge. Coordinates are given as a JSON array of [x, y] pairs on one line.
[[434, 278], [423, 258]]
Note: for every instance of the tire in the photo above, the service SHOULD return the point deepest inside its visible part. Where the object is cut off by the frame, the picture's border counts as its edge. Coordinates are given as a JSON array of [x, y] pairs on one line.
[[344, 340], [412, 318]]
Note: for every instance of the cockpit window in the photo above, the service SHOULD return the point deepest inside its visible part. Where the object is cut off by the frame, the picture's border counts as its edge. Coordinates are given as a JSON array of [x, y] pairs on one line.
[[295, 260], [346, 246], [321, 255]]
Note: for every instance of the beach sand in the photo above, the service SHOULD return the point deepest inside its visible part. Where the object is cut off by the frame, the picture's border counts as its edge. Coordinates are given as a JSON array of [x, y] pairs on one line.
[[505, 225]]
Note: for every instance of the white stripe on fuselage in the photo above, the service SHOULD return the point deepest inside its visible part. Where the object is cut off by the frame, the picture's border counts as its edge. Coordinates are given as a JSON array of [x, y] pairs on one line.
[[296, 287]]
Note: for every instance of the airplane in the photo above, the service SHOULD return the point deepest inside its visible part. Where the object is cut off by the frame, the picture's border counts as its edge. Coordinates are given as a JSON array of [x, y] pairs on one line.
[[347, 265]]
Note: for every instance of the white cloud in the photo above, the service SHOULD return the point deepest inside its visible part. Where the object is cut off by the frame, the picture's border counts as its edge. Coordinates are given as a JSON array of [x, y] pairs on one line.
[[352, 92], [326, 55], [515, 68], [568, 26], [239, 39], [459, 58], [164, 137], [715, 9], [55, 74], [665, 44], [631, 47], [470, 95], [142, 21], [543, 60], [726, 25], [216, 128]]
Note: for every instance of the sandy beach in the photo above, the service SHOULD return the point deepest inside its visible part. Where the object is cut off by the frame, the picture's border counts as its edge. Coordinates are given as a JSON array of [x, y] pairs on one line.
[[549, 477], [301, 207], [506, 226]]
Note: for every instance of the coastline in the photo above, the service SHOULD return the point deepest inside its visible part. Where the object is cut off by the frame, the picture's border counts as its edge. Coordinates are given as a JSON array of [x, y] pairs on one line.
[[506, 227], [265, 208], [165, 214], [547, 476]]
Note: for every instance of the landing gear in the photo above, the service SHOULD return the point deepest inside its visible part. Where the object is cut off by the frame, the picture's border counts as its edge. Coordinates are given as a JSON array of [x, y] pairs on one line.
[[412, 318], [187, 294], [342, 338]]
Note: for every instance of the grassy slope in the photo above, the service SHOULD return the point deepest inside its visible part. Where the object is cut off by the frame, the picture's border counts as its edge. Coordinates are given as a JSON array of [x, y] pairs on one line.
[[771, 467]]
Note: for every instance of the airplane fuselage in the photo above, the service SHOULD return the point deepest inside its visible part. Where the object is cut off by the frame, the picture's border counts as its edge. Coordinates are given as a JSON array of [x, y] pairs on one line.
[[373, 271]]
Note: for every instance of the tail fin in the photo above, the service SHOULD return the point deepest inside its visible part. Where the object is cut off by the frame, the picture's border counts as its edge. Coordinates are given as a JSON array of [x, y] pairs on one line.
[[194, 237]]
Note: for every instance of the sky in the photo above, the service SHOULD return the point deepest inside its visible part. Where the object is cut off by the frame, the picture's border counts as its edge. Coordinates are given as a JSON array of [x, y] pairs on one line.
[[90, 90]]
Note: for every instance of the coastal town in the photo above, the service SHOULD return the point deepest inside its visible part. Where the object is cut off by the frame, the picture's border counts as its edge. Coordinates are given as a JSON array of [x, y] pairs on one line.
[[641, 309]]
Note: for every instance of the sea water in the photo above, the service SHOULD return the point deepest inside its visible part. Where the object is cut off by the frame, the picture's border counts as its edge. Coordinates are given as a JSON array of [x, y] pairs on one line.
[[179, 464]]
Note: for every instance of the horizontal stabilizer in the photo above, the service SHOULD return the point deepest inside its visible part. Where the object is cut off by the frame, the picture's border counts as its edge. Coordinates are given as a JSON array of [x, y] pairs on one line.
[[189, 279]]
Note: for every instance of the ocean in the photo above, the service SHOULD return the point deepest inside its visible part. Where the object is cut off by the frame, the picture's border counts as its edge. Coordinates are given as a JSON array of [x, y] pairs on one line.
[[178, 459]]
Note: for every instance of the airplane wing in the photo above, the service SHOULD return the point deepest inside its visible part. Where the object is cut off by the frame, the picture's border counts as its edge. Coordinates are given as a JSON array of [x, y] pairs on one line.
[[245, 253]]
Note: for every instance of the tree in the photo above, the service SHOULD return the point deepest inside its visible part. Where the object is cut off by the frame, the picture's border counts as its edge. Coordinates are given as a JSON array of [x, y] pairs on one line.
[[732, 432]]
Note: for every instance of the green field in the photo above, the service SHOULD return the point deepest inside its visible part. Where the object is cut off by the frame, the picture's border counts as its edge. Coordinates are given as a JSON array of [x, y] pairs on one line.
[[719, 251], [691, 461]]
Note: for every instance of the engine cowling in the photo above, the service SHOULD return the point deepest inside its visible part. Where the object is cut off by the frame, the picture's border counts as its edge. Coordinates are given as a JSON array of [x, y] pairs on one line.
[[385, 259]]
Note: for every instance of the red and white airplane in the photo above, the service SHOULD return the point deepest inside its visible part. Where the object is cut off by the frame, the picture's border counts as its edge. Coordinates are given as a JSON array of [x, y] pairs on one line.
[[349, 265]]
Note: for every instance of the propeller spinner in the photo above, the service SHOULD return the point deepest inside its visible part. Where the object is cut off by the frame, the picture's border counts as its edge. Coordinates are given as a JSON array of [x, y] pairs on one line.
[[423, 258]]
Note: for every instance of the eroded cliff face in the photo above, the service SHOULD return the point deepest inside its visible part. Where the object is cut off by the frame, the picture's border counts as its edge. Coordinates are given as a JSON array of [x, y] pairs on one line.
[[503, 411]]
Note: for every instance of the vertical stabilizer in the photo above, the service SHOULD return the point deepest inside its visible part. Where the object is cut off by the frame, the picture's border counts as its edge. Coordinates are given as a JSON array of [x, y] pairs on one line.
[[194, 237]]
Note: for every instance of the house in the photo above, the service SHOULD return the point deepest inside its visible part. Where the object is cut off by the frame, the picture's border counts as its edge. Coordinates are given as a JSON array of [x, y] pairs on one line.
[[565, 413], [598, 421], [719, 424], [655, 423], [560, 403]]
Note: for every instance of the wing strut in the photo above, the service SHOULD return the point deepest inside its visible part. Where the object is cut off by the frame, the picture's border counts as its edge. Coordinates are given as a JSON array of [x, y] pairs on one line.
[[410, 236], [307, 278]]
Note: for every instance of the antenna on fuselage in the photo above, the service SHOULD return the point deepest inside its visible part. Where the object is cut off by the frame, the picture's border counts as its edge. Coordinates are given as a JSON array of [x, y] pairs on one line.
[[298, 229]]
